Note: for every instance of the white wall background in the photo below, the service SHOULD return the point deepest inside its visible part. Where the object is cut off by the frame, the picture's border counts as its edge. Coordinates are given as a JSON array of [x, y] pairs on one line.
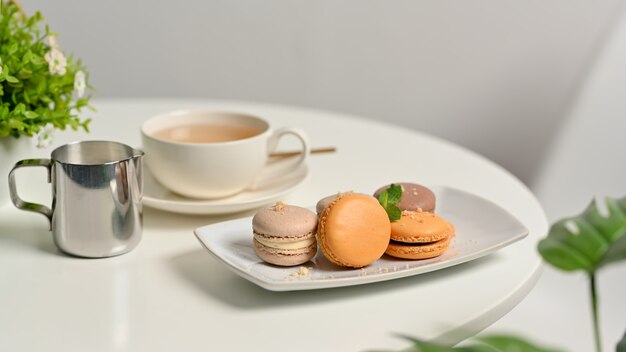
[[492, 75]]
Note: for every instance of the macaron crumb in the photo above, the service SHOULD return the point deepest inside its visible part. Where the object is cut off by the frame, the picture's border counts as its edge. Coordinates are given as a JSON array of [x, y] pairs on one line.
[[302, 272], [279, 206], [382, 270]]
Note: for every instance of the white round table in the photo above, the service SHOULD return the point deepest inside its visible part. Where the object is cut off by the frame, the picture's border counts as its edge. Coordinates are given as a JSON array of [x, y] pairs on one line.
[[170, 294]]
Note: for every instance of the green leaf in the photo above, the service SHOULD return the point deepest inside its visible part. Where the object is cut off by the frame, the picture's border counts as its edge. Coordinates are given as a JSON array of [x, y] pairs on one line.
[[20, 108], [587, 241], [24, 74], [621, 346], [27, 57], [36, 60], [80, 103], [393, 212], [511, 343], [395, 193], [423, 346], [12, 79], [31, 115], [494, 343], [389, 199], [85, 125], [383, 199]]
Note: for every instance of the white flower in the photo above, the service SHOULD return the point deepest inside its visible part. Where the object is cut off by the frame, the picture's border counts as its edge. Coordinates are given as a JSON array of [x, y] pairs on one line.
[[56, 62], [45, 136], [53, 42], [79, 83]]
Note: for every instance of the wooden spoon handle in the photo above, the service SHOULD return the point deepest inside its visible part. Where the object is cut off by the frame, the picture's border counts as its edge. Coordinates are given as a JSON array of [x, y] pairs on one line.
[[313, 151]]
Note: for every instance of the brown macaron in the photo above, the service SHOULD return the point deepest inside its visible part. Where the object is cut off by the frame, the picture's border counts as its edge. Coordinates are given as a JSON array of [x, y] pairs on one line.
[[353, 230], [414, 197], [419, 235], [285, 234]]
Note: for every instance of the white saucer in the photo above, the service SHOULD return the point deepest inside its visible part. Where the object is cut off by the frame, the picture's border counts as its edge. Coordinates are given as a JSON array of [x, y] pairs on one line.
[[157, 196]]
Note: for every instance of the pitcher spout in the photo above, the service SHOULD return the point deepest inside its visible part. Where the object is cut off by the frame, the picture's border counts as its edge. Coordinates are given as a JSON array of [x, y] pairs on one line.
[[138, 153]]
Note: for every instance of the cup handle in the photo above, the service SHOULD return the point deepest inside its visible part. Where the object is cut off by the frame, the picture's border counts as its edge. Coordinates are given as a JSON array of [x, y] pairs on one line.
[[15, 198], [279, 168]]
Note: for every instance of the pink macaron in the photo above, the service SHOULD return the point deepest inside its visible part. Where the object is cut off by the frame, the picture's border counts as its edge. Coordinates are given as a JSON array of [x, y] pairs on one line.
[[285, 234]]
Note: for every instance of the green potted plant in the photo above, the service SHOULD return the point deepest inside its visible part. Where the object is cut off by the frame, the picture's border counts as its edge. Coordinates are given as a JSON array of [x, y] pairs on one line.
[[41, 89]]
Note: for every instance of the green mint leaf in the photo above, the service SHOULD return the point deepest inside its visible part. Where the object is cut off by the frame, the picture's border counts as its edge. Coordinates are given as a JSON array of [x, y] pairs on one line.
[[393, 212], [383, 199], [389, 199], [395, 193]]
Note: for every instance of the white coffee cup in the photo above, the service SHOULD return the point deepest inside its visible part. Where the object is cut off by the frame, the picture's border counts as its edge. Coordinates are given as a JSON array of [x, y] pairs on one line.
[[207, 167]]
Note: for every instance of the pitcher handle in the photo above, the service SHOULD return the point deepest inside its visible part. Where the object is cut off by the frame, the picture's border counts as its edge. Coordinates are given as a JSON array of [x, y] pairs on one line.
[[15, 198]]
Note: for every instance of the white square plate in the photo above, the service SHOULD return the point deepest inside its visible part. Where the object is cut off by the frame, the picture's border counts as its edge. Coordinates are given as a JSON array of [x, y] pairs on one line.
[[482, 228]]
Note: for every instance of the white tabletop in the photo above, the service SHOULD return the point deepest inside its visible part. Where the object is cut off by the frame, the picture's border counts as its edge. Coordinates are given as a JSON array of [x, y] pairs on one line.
[[170, 294]]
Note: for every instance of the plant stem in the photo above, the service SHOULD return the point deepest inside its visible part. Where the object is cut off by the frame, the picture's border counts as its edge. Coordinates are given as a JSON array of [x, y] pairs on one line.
[[594, 306]]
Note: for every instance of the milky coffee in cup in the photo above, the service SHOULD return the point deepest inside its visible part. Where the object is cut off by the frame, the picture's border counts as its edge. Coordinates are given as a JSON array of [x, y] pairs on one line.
[[206, 133], [205, 155]]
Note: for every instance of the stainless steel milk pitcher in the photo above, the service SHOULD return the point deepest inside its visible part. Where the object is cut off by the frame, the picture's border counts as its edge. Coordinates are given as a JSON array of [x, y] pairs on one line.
[[97, 189]]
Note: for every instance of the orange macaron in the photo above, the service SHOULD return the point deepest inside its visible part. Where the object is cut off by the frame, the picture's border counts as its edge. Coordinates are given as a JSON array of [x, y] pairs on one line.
[[353, 230], [419, 235]]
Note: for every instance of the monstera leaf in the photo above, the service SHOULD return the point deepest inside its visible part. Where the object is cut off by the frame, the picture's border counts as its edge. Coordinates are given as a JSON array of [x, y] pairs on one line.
[[621, 346], [493, 343], [588, 241], [506, 343]]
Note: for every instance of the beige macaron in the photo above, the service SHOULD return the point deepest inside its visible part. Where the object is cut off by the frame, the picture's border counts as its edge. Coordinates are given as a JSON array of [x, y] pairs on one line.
[[285, 234]]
